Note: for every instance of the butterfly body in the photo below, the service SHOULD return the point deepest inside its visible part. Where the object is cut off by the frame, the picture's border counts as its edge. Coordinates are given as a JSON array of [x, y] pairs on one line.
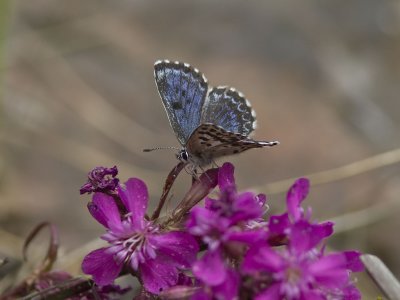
[[208, 122]]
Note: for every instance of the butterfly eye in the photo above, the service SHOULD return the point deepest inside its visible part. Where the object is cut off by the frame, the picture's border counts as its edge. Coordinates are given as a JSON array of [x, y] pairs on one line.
[[183, 155]]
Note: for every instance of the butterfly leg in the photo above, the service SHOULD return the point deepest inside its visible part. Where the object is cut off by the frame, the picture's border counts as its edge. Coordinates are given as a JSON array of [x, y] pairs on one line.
[[189, 170], [214, 164], [205, 172], [192, 170], [195, 174]]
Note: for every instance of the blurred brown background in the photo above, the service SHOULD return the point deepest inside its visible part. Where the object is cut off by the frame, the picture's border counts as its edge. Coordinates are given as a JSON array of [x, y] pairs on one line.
[[78, 92]]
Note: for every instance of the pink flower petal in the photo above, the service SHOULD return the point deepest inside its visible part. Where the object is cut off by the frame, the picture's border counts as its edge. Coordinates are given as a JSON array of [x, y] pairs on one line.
[[104, 209], [211, 204], [278, 225], [329, 262], [210, 268], [271, 293], [351, 293], [225, 176], [176, 247], [245, 207], [262, 258], [313, 295], [135, 198], [354, 262], [201, 295], [296, 194], [331, 271], [157, 276], [261, 199], [101, 265], [229, 288], [305, 236], [248, 237]]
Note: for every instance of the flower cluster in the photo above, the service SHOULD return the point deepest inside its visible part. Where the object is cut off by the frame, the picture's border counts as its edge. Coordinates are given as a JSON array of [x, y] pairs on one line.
[[300, 269], [228, 248]]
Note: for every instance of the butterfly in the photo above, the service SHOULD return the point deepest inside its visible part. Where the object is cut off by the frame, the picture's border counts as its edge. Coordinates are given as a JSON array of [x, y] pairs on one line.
[[209, 122]]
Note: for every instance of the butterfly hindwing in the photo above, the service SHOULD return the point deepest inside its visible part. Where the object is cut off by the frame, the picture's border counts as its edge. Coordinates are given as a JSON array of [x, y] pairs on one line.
[[183, 90], [230, 110], [210, 141]]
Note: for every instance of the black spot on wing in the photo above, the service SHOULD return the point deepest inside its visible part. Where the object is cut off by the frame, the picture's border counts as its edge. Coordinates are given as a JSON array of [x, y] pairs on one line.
[[182, 90], [177, 105]]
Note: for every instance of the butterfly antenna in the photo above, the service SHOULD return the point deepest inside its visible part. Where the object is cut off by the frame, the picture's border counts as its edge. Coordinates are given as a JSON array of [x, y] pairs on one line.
[[160, 148], [269, 144]]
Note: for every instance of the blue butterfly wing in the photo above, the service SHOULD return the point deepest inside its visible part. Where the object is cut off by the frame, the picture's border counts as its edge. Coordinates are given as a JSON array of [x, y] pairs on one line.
[[229, 109], [183, 90]]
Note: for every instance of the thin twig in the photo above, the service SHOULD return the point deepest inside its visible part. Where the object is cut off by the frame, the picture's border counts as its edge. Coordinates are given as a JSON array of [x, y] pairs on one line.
[[167, 187], [199, 189], [69, 288], [52, 250]]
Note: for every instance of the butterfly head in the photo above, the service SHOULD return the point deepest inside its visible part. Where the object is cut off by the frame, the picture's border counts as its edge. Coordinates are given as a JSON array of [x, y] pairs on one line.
[[183, 155]]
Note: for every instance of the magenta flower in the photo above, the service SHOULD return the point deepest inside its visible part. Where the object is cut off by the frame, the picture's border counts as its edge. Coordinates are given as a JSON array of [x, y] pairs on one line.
[[280, 226], [298, 272], [136, 243], [222, 226], [101, 179]]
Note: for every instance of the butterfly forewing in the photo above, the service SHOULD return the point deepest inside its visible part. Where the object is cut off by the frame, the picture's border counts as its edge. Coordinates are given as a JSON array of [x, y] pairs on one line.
[[183, 90], [228, 109]]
